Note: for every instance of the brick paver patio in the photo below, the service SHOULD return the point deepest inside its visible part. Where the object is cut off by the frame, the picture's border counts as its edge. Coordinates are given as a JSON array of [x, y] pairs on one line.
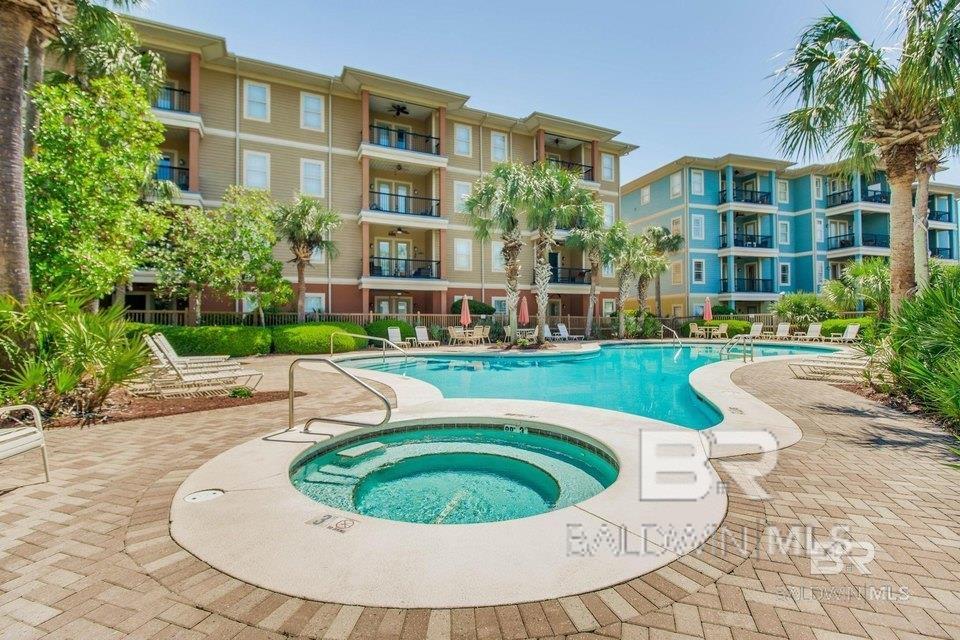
[[88, 556]]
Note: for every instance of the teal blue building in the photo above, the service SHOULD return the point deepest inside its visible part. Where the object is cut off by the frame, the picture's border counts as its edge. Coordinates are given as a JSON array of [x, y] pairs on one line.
[[756, 228]]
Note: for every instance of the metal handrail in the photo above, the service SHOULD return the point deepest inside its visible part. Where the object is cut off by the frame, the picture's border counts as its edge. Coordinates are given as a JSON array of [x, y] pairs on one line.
[[306, 425], [745, 339], [383, 342], [676, 336]]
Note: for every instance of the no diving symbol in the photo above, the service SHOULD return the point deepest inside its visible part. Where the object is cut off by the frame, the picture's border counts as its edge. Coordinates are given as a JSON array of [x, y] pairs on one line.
[[342, 526]]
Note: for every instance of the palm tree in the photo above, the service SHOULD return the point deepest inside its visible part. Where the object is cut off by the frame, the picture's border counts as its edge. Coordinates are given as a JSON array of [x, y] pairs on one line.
[[494, 207], [866, 282], [589, 234], [662, 242], [307, 224], [630, 255], [857, 101]]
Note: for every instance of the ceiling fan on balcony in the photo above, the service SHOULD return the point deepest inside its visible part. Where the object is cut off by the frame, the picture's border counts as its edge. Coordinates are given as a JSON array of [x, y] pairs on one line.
[[399, 109], [399, 231]]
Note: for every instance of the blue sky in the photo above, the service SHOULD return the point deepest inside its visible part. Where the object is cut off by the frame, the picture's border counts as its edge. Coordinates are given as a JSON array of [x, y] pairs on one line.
[[677, 77]]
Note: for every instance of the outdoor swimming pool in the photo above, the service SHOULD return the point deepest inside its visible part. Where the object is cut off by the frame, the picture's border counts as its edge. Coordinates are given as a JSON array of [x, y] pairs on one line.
[[645, 380]]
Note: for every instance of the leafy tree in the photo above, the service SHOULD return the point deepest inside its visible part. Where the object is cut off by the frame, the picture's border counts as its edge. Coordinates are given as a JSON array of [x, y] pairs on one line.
[[630, 255], [307, 224], [801, 308], [86, 221], [866, 282], [589, 234], [661, 242]]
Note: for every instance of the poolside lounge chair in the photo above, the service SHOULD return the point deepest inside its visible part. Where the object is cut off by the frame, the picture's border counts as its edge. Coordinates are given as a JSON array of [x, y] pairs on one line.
[[782, 333], [721, 331], [849, 334], [485, 334], [566, 335], [696, 331], [756, 329], [393, 335], [827, 370], [20, 439], [423, 338], [170, 378], [198, 365], [163, 344], [812, 333], [547, 334]]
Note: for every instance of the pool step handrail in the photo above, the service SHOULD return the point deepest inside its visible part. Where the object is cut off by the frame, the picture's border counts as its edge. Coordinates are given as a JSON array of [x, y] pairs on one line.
[[745, 341], [383, 343], [676, 336], [291, 393]]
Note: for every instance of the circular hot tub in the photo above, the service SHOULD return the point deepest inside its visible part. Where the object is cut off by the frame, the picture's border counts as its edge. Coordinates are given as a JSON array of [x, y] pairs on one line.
[[459, 474]]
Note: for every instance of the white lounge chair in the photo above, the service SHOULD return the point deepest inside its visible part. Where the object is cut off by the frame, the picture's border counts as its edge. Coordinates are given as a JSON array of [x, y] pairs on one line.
[[827, 370], [849, 334], [782, 333], [423, 338], [164, 344], [812, 334], [393, 335], [566, 335], [20, 439], [721, 330], [167, 377], [548, 335], [756, 330]]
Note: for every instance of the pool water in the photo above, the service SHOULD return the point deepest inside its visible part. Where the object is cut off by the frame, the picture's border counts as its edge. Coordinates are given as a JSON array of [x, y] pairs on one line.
[[645, 380], [455, 475]]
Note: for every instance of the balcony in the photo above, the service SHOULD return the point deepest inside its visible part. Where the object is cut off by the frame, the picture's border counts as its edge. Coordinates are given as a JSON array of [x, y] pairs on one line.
[[568, 275], [404, 140], [747, 196], [583, 171], [938, 216], [179, 176], [944, 253], [747, 240], [838, 198], [170, 99], [405, 268], [747, 285], [404, 204], [847, 240]]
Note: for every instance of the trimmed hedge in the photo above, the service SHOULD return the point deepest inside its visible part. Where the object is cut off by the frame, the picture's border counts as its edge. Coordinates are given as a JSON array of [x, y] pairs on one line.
[[233, 341], [868, 329], [379, 328], [314, 337], [477, 307], [734, 327]]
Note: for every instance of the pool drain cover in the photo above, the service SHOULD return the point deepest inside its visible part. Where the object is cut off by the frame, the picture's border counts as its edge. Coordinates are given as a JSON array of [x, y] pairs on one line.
[[203, 496]]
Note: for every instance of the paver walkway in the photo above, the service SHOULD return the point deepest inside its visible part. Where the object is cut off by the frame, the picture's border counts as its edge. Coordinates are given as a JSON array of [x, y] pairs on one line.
[[88, 556]]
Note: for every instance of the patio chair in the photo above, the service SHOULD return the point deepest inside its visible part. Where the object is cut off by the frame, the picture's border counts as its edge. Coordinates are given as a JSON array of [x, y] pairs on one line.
[[20, 439], [485, 334], [756, 329], [164, 345], [548, 335], [167, 378], [393, 335], [696, 331], [423, 338], [849, 334], [455, 335], [196, 366], [812, 334], [721, 330], [827, 370], [782, 333], [566, 335]]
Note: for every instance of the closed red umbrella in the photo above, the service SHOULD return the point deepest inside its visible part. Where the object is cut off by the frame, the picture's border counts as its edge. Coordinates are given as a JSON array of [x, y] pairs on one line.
[[707, 310], [465, 318], [524, 313]]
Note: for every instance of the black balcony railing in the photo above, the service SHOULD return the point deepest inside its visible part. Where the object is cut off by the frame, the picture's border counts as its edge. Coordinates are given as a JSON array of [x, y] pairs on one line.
[[748, 196], [838, 198], [847, 240], [179, 176], [876, 195], [585, 171], [403, 139], [402, 203], [404, 268], [170, 99], [568, 275], [939, 216], [747, 285], [876, 240], [750, 240], [842, 241], [941, 252]]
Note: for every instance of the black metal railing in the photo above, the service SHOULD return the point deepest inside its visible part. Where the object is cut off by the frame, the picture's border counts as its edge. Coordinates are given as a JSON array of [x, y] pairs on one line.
[[403, 139], [585, 171], [404, 268], [838, 198], [847, 240], [748, 196], [941, 252], [402, 203], [747, 285], [876, 240], [842, 241], [751, 240], [179, 176], [876, 195], [569, 275], [939, 216], [170, 99]]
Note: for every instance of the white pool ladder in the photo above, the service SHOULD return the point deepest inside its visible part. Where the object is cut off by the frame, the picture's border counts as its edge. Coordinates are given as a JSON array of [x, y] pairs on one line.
[[745, 341], [676, 337]]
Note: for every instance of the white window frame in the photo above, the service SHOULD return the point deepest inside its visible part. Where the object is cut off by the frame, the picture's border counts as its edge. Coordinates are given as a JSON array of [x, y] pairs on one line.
[[608, 306], [781, 225], [247, 154], [323, 177], [703, 271], [604, 175], [676, 226], [678, 191], [459, 242], [606, 271], [693, 182], [506, 146], [459, 202], [780, 279], [304, 95], [821, 271], [821, 231], [609, 209], [459, 126], [818, 188], [495, 299], [694, 219], [496, 255], [786, 191], [645, 195], [676, 273], [246, 113], [323, 302]]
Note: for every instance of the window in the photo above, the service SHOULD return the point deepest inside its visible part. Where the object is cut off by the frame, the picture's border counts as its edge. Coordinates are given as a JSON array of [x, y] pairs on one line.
[[676, 273], [256, 170], [607, 271], [319, 256], [784, 273], [609, 306], [315, 303], [820, 237], [783, 232], [818, 188], [645, 195], [499, 305], [256, 102], [461, 191], [311, 111], [676, 310], [609, 214], [462, 254], [783, 191], [606, 165], [463, 139], [676, 226], [676, 185], [698, 310], [696, 227], [821, 271], [248, 303], [496, 256], [696, 182], [311, 177], [498, 146], [698, 272]]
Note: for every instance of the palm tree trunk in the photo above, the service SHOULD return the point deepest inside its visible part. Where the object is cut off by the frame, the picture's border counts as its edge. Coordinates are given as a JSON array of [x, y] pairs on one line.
[[541, 279], [15, 28], [642, 283], [36, 52], [921, 239], [656, 288], [592, 300], [902, 275], [301, 291], [622, 286], [512, 244]]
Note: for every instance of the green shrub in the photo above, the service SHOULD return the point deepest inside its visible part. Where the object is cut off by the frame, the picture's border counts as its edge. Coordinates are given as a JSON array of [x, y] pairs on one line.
[[734, 327], [477, 307], [314, 337], [868, 332], [642, 325], [724, 310], [211, 340], [379, 328], [801, 308]]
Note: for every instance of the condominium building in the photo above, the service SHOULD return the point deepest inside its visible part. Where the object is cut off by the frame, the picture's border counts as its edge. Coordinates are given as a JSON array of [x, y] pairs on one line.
[[395, 158], [758, 227]]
